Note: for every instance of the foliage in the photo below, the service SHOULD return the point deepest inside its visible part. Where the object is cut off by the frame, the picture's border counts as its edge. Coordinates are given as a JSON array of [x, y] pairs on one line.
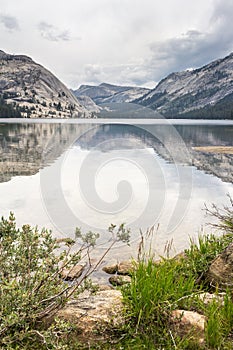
[[224, 216], [31, 284], [223, 109], [31, 287], [200, 255], [7, 110], [155, 291], [159, 288]]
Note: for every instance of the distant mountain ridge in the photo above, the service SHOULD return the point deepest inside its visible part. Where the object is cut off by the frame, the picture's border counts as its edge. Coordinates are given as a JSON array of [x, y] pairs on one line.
[[206, 92], [88, 103], [27, 89], [34, 91], [109, 93]]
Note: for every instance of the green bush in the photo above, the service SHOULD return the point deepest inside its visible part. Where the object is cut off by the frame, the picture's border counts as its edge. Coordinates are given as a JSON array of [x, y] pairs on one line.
[[31, 283], [31, 286]]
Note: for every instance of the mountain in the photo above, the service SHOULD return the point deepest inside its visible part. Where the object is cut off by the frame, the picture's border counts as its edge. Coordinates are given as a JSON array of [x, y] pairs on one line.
[[108, 93], [206, 92], [27, 89], [32, 91], [88, 103]]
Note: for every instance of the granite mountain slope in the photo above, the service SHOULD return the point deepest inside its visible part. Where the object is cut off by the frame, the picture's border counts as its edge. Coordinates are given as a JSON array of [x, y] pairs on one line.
[[108, 93], [206, 92], [35, 90]]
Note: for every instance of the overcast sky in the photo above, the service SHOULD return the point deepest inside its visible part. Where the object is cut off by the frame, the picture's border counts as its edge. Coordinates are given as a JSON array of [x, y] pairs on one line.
[[134, 42]]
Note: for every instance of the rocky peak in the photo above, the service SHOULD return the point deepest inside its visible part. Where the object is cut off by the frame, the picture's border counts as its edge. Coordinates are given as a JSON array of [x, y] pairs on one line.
[[36, 91], [204, 89], [109, 93], [8, 57]]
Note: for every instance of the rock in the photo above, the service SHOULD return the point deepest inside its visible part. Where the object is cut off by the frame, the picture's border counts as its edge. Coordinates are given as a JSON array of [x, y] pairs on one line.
[[117, 280], [125, 267], [189, 323], [71, 274], [207, 298], [95, 315], [220, 272], [111, 269], [102, 287]]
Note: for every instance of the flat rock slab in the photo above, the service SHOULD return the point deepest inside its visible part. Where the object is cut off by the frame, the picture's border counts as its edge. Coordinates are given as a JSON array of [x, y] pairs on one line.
[[73, 273], [94, 315], [189, 323]]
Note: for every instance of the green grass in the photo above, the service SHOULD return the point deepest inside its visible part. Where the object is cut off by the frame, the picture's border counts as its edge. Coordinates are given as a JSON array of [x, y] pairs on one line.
[[202, 253], [157, 289]]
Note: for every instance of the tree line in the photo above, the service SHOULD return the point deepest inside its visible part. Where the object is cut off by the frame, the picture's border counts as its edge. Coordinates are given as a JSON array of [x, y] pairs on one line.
[[8, 110]]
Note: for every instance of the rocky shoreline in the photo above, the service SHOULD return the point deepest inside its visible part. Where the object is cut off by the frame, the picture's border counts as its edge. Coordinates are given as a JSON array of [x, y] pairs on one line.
[[96, 315]]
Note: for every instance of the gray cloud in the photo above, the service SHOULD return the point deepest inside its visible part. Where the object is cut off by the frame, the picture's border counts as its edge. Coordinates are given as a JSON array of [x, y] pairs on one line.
[[194, 48], [93, 71], [52, 33], [128, 74], [9, 22]]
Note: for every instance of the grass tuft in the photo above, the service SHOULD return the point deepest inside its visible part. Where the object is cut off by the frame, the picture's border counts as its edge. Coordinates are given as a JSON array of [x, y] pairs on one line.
[[158, 289]]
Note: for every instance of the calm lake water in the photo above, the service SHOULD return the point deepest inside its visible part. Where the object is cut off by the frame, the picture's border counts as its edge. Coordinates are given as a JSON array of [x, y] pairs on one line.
[[89, 174]]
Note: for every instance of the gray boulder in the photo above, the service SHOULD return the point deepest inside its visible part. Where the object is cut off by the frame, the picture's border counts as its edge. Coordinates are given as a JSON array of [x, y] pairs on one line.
[[221, 270]]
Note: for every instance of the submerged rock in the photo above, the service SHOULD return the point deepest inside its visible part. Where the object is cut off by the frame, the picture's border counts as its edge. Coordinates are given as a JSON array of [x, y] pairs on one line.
[[111, 269], [125, 267], [118, 280]]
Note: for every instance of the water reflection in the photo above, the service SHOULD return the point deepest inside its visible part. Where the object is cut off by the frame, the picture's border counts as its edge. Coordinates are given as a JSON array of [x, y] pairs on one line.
[[26, 148], [52, 156]]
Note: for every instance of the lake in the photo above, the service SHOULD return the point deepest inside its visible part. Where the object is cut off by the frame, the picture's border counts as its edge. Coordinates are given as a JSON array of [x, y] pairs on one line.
[[91, 173]]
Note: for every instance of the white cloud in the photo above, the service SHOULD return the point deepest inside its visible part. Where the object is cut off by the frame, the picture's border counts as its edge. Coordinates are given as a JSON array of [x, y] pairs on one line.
[[9, 22], [123, 42], [51, 33]]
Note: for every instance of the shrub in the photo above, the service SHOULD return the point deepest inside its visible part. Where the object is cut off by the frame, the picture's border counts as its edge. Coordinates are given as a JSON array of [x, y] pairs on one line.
[[31, 284]]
